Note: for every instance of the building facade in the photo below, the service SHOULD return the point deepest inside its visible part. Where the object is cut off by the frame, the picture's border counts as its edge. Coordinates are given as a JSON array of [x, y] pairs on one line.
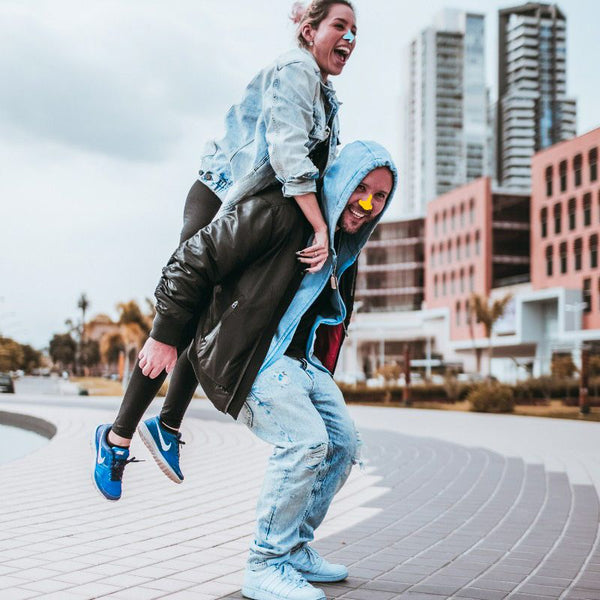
[[391, 268], [565, 217], [445, 122], [542, 249], [533, 111], [477, 240]]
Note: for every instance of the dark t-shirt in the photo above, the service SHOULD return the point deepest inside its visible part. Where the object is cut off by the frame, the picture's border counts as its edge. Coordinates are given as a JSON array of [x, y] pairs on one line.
[[297, 347]]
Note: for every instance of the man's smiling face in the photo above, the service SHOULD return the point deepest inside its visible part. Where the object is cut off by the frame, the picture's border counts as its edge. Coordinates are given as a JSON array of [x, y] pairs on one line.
[[373, 192]]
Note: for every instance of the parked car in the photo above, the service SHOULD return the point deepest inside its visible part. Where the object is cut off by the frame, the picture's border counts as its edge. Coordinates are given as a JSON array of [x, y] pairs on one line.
[[6, 384]]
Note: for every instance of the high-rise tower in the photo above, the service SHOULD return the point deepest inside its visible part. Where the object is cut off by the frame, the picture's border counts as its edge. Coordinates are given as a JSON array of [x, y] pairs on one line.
[[533, 111], [445, 125]]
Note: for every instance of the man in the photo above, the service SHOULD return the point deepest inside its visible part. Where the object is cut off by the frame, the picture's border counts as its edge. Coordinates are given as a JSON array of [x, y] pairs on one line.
[[265, 349]]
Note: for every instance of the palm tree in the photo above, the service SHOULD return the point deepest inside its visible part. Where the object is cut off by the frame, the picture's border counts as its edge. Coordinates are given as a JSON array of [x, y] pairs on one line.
[[488, 314], [83, 304]]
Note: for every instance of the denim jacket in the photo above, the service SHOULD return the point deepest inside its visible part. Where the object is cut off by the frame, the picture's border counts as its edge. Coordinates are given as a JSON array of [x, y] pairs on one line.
[[287, 109]]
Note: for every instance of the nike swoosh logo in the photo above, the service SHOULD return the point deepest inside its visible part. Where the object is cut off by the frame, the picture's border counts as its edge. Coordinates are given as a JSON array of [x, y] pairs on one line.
[[100, 458], [164, 446]]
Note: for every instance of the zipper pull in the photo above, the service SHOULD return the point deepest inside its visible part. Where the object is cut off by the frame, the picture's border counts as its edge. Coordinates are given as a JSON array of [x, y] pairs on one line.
[[334, 283]]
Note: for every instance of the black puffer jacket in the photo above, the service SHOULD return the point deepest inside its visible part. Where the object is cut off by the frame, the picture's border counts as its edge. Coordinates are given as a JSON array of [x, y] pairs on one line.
[[237, 276]]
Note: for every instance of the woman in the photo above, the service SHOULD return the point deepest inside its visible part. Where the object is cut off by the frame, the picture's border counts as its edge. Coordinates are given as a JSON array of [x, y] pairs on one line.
[[284, 130]]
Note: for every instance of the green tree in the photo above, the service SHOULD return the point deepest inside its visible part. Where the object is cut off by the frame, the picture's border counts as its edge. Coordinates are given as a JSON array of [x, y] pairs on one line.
[[488, 314], [32, 358], [62, 349], [90, 353], [11, 354], [563, 367]]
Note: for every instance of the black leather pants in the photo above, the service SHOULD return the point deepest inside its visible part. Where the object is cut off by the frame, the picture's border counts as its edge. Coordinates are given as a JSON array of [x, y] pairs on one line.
[[201, 206]]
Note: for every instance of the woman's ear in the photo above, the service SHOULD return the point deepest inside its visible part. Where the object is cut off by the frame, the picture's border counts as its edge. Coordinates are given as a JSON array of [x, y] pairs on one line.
[[308, 33]]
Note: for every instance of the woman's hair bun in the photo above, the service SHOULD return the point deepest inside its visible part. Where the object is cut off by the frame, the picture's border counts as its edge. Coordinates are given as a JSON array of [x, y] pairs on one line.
[[297, 13]]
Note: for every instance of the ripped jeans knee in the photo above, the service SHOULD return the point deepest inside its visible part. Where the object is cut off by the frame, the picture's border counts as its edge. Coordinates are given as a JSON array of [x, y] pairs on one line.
[[315, 454]]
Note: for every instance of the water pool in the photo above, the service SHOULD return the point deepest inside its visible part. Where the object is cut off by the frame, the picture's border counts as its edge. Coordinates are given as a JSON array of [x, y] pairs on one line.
[[16, 442]]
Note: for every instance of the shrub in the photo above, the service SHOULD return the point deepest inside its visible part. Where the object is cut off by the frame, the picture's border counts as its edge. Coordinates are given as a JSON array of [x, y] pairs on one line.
[[492, 397]]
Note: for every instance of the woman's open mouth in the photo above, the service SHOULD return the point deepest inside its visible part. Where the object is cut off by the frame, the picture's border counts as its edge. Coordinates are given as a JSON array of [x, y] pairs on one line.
[[342, 53]]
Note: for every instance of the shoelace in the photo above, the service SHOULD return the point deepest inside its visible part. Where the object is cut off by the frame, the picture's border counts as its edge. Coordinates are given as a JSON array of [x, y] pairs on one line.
[[180, 442], [314, 558], [289, 574], [116, 473]]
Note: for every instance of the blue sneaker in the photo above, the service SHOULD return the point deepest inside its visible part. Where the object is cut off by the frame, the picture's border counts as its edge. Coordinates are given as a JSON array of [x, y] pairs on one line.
[[279, 582], [109, 463], [164, 447], [314, 567]]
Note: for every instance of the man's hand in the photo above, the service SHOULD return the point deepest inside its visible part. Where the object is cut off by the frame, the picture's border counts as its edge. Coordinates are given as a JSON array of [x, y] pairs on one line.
[[156, 357]]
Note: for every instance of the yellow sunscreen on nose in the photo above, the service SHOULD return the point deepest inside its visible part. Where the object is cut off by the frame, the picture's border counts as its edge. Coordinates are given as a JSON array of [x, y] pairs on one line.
[[366, 204]]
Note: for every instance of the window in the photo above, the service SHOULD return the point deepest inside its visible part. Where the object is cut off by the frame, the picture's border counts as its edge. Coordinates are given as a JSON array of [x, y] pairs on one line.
[[457, 314], [549, 261], [594, 251], [452, 283], [563, 175], [557, 217], [449, 252], [435, 286], [563, 257], [477, 244], [544, 222], [577, 162], [462, 281], [444, 221], [549, 181], [587, 209], [572, 214], [458, 249], [444, 284], [467, 246], [472, 211], [471, 279], [435, 224], [587, 294], [593, 160], [462, 215], [433, 256], [453, 219], [441, 254], [578, 248]]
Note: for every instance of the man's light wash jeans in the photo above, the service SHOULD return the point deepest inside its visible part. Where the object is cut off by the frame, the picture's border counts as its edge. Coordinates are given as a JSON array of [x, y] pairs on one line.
[[300, 411]]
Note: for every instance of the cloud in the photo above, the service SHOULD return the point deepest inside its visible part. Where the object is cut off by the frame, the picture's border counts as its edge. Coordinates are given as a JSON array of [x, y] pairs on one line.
[[121, 83]]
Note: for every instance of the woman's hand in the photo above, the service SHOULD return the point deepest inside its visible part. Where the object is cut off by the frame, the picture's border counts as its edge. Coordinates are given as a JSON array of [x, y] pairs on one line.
[[315, 255], [156, 357]]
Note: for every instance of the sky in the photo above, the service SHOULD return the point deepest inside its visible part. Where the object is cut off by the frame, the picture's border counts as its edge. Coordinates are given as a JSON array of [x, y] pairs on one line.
[[105, 107]]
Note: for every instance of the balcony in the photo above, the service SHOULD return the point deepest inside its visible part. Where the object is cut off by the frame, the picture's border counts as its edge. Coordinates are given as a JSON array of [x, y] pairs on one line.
[[398, 291], [508, 259], [403, 266], [395, 242]]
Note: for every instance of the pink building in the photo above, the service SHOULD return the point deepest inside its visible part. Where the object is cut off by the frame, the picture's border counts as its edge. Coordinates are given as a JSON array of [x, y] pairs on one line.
[[476, 239], [565, 218]]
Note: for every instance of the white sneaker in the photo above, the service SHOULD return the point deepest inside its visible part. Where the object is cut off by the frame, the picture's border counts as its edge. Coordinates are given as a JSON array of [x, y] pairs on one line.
[[313, 567], [279, 582]]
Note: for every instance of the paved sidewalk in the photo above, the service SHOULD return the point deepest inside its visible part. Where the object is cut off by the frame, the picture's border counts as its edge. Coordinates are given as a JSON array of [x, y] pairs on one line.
[[451, 505]]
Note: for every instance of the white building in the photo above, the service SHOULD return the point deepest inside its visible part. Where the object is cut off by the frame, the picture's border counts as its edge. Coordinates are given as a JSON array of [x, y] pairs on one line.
[[533, 110], [445, 122]]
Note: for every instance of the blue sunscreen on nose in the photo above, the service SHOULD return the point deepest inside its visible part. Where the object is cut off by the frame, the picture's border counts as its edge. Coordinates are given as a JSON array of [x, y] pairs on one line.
[[349, 36]]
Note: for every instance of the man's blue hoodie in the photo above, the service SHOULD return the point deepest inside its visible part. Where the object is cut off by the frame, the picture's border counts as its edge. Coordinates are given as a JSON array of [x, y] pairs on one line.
[[353, 164]]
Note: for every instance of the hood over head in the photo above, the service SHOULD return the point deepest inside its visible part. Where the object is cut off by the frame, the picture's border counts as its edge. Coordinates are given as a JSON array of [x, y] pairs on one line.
[[352, 165]]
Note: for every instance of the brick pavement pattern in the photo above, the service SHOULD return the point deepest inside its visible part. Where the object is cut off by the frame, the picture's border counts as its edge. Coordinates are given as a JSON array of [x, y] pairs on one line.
[[428, 519]]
